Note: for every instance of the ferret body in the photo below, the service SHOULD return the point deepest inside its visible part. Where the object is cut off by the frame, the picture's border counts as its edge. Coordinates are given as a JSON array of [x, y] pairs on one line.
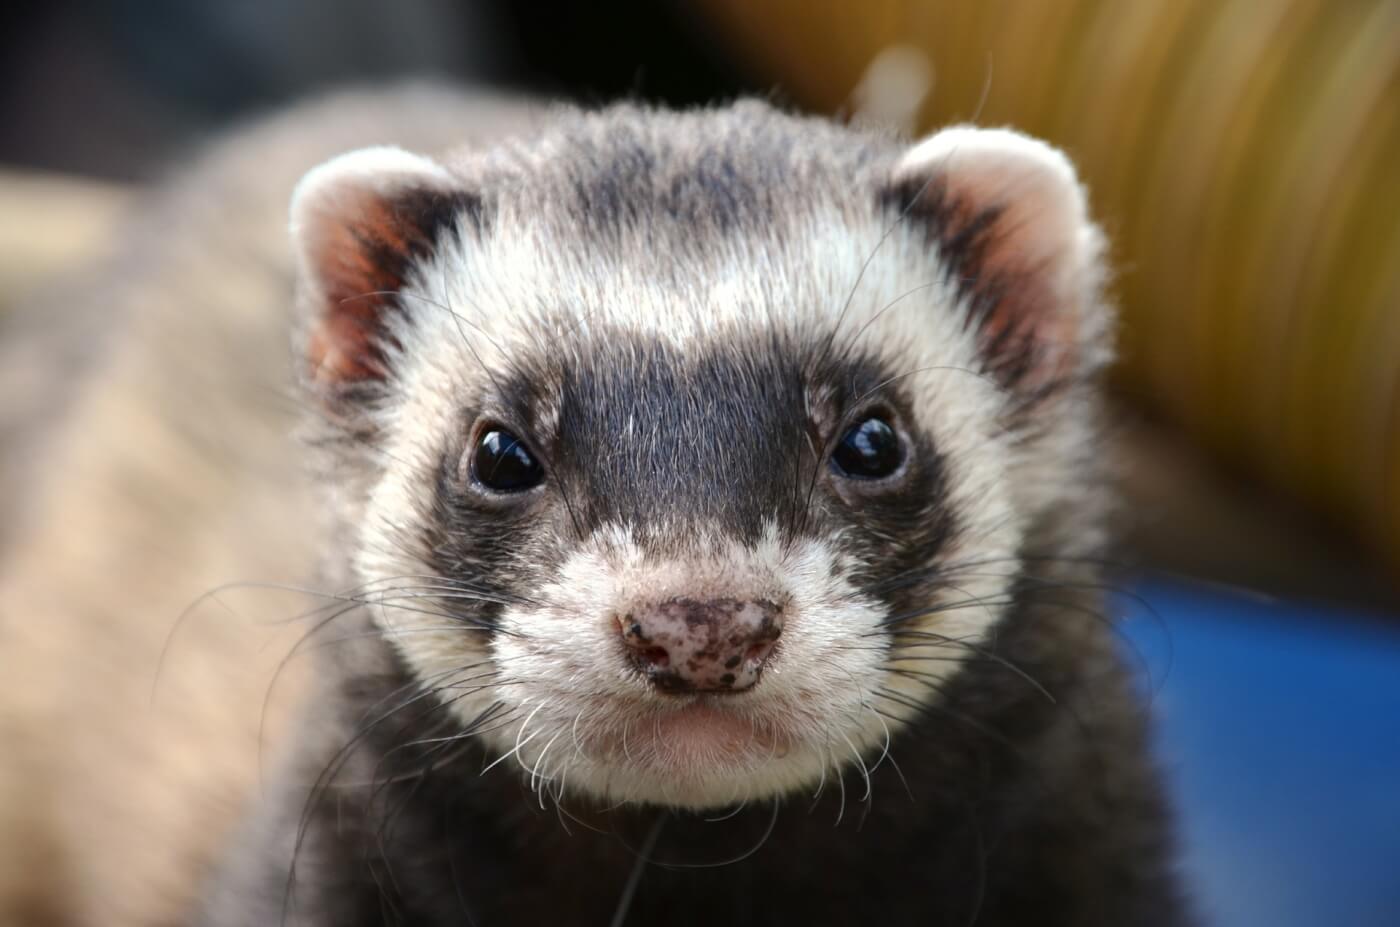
[[694, 517]]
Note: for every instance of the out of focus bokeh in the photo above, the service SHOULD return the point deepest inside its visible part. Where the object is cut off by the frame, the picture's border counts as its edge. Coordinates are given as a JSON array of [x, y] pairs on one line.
[[1244, 157]]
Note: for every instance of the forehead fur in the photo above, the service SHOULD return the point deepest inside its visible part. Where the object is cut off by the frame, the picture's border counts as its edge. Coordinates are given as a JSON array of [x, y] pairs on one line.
[[708, 225], [692, 178], [674, 222]]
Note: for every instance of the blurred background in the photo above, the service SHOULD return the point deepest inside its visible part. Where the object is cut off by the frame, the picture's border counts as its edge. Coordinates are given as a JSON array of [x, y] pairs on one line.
[[1244, 157]]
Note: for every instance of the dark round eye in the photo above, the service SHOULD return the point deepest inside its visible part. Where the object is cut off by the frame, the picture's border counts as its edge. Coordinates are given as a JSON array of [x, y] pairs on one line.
[[870, 450], [501, 463]]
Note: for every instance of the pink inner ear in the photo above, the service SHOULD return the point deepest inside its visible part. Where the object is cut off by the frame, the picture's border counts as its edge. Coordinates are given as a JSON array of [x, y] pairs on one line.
[[1009, 267], [359, 255], [1025, 329], [340, 351]]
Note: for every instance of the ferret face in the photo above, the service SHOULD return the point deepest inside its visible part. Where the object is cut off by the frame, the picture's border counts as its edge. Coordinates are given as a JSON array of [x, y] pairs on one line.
[[688, 456]]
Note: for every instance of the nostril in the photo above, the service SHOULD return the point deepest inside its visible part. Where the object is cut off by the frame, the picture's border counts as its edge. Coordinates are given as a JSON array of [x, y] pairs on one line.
[[759, 652], [654, 657]]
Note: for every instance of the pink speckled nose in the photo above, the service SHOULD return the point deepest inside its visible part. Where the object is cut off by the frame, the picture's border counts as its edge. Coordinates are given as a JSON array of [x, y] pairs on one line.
[[684, 645]]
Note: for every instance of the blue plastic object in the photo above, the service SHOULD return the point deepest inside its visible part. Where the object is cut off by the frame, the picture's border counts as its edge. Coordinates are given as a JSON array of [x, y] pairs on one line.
[[1279, 729]]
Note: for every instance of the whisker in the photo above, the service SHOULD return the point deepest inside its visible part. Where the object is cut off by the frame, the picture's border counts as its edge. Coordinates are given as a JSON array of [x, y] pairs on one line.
[[634, 878]]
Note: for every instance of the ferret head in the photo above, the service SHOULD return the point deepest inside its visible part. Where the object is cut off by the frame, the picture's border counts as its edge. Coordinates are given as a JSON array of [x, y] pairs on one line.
[[685, 457]]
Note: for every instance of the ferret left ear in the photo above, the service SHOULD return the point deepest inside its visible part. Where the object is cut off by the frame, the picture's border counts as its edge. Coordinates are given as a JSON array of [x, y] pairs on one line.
[[360, 224], [1010, 223]]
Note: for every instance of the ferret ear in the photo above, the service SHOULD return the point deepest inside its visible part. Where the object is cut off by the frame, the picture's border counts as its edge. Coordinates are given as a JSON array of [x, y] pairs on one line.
[[360, 224], [1010, 223]]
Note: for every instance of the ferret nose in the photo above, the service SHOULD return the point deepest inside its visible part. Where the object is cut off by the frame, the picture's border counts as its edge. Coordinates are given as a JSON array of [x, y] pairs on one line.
[[683, 645]]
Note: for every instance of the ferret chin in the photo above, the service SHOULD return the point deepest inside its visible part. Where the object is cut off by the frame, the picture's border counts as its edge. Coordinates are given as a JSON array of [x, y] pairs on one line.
[[700, 487]]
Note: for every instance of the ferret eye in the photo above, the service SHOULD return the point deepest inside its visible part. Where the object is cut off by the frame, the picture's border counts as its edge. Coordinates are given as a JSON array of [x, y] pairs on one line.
[[502, 463], [870, 450]]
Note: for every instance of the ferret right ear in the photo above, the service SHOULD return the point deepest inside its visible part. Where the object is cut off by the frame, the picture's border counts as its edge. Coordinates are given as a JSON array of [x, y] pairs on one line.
[[360, 224], [1010, 222]]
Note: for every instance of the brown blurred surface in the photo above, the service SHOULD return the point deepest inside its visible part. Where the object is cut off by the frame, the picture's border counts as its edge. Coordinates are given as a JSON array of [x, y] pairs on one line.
[[1182, 515]]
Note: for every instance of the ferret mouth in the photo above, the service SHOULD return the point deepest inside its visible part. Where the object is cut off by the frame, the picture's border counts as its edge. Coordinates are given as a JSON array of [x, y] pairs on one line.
[[698, 733]]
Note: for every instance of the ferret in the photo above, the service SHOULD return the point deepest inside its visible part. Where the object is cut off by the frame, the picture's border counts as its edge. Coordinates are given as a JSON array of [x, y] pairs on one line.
[[698, 518]]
